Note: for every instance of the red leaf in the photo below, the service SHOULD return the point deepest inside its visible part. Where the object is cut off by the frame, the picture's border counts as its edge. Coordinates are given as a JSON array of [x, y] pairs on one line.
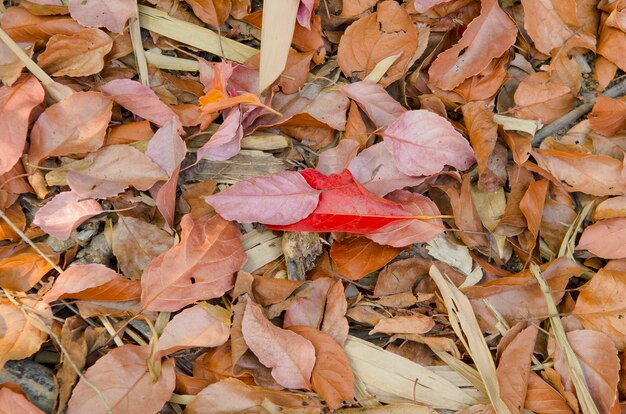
[[345, 205]]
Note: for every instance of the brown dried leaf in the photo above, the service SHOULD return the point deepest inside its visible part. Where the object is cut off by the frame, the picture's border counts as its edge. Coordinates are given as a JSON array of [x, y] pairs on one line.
[[357, 256], [19, 338]]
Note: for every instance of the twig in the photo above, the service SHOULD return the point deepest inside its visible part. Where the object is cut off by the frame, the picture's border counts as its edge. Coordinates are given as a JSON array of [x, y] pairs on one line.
[[616, 91]]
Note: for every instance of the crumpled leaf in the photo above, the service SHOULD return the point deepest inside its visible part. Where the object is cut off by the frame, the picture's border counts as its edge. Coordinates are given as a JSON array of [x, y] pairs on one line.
[[64, 213], [422, 143], [538, 97], [487, 37], [290, 356], [10, 65], [386, 32], [202, 266], [139, 99], [194, 327], [75, 125], [307, 308], [113, 169], [283, 198], [124, 381], [80, 54], [112, 14], [332, 376], [16, 104]]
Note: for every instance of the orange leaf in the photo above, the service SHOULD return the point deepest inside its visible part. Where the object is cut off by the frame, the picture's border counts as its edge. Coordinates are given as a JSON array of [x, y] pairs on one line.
[[357, 256], [21, 267], [19, 338], [608, 116]]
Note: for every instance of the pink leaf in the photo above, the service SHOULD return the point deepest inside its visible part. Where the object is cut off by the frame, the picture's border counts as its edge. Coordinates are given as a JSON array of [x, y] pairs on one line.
[[305, 10], [422, 143], [226, 141], [290, 356], [422, 6], [80, 278], [16, 104], [407, 232], [138, 99], [114, 168], [376, 169], [281, 199], [111, 14], [64, 213], [308, 307], [335, 160], [379, 106]]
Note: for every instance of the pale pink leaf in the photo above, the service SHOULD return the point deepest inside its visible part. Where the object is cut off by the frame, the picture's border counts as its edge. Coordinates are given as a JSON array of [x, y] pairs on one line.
[[112, 14], [75, 125], [290, 356], [138, 99], [122, 378], [114, 168], [422, 6], [404, 324], [308, 307], [406, 232], [376, 169], [14, 402], [335, 160], [379, 106], [79, 278], [16, 104], [226, 141], [605, 239], [193, 327], [281, 199], [422, 143], [64, 213], [305, 11]]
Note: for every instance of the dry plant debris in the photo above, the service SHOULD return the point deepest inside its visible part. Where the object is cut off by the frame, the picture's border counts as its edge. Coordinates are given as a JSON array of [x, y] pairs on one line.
[[351, 206]]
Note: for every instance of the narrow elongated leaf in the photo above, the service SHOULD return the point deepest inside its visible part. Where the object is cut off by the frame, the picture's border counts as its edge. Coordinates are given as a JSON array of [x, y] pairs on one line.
[[201, 266], [290, 356], [281, 199], [64, 213], [16, 104], [422, 143], [124, 383]]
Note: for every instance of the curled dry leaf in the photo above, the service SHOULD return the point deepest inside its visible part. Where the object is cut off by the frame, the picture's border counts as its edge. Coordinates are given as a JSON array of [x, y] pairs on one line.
[[112, 14], [600, 364], [539, 98], [10, 65], [75, 125], [386, 32], [233, 396], [113, 169], [16, 104], [124, 383], [202, 266], [92, 282], [290, 356], [225, 143], [487, 37], [356, 257], [198, 326], [80, 54], [64, 213], [20, 338], [332, 376], [542, 398], [283, 198], [135, 243], [422, 143], [139, 99]]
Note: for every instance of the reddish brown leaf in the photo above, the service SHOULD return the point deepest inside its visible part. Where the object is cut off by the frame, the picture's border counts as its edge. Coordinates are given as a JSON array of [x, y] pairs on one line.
[[21, 267], [358, 256], [123, 379], [201, 266], [213, 12], [605, 239], [335, 323], [332, 376], [308, 306], [290, 356], [20, 338], [608, 115], [23, 26], [406, 324], [541, 398]]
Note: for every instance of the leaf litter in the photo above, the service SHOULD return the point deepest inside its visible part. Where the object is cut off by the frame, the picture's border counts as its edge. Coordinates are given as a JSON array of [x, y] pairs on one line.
[[410, 207]]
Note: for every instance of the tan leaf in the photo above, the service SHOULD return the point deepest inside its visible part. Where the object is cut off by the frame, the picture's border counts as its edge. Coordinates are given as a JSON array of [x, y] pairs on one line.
[[80, 54], [400, 276], [124, 383], [307, 308], [201, 266], [332, 376], [290, 356], [19, 338], [409, 324], [541, 398], [539, 98]]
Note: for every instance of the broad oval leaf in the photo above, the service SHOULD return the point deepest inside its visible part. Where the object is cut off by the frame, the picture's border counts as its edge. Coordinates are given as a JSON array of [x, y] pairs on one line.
[[64, 213], [75, 125], [114, 168], [357, 256], [112, 14], [125, 384], [201, 266], [605, 239], [379, 106], [16, 104], [332, 376], [19, 338], [290, 356], [283, 198], [422, 143], [21, 267], [404, 324]]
